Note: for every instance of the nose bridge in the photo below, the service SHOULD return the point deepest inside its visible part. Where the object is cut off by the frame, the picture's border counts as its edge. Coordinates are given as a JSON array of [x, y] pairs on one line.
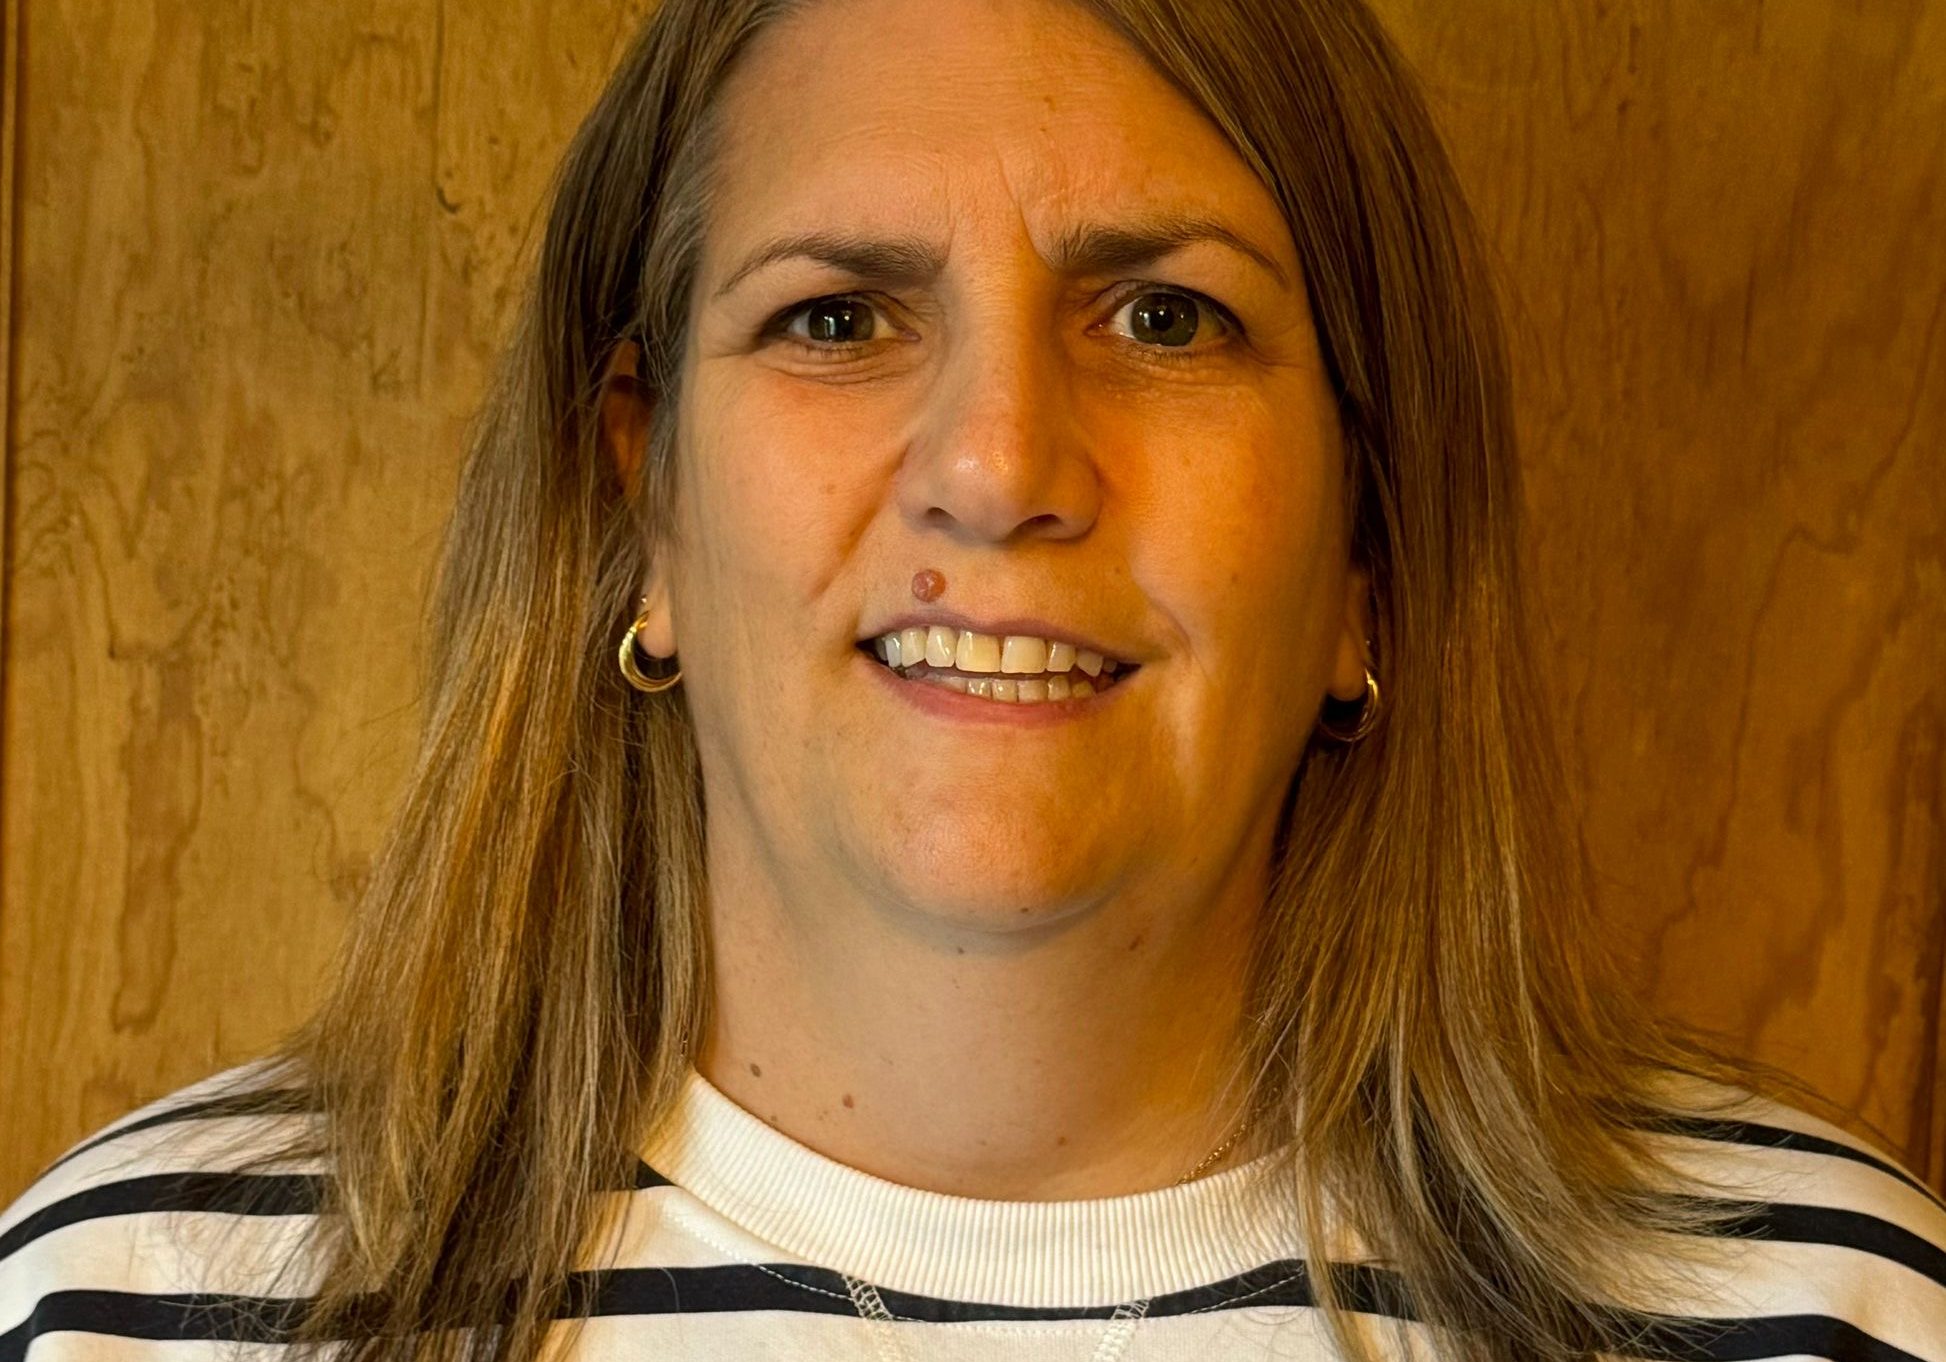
[[999, 449], [1006, 375]]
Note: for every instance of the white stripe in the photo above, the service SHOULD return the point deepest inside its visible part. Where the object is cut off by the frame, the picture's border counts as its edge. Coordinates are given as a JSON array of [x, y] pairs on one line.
[[80, 1347], [161, 1254], [1757, 1278], [1806, 1179], [184, 1147]]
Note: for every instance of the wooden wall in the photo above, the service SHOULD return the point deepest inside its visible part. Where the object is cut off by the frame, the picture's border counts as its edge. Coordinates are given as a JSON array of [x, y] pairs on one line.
[[258, 258], [1722, 227]]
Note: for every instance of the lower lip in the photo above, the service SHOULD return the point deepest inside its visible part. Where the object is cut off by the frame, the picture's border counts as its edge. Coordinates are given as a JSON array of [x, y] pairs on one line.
[[945, 703]]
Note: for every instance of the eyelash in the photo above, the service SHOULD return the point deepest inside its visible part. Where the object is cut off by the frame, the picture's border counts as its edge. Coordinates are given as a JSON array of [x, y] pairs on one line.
[[779, 326]]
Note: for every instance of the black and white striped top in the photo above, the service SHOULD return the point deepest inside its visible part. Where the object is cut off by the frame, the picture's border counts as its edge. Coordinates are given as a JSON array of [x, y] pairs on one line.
[[738, 1243]]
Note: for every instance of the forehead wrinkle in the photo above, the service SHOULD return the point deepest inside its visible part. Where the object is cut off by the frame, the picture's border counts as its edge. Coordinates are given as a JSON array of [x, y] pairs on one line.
[[1021, 153], [909, 260]]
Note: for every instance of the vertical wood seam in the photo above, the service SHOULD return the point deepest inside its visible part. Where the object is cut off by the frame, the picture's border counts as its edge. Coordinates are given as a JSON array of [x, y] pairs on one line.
[[13, 106], [1930, 1137]]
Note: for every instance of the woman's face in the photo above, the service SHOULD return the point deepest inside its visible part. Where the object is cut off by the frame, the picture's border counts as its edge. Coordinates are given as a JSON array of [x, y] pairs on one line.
[[1064, 362]]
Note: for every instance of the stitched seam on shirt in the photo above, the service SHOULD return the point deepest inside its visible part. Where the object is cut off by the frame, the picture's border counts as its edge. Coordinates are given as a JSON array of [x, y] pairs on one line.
[[986, 1328], [1015, 1330], [1242, 1296], [678, 1213]]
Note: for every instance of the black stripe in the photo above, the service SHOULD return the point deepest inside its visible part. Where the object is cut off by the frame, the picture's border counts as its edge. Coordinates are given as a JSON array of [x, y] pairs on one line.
[[1363, 1289], [652, 1291], [816, 1290], [1790, 1223], [259, 1194], [174, 1318], [269, 1102], [221, 1193], [778, 1287], [1784, 1222], [1777, 1137], [1772, 1336]]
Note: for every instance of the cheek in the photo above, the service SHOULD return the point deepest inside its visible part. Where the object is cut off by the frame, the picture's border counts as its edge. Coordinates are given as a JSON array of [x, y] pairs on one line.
[[1238, 528], [776, 491]]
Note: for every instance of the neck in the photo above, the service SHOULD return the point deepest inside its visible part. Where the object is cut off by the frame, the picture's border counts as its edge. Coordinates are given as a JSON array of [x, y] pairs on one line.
[[1092, 1057]]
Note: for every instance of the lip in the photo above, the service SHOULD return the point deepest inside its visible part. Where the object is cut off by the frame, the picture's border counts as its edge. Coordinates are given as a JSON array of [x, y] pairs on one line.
[[942, 703], [1032, 626]]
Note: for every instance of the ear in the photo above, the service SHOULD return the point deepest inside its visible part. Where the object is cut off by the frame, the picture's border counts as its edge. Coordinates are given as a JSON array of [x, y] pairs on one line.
[[626, 406], [1348, 669]]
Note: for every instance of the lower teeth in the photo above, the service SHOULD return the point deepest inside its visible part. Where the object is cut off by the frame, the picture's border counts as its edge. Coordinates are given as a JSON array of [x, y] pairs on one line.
[[1017, 690]]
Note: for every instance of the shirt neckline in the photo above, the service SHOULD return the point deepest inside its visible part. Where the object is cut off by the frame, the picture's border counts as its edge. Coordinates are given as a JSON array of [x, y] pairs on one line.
[[1031, 1254]]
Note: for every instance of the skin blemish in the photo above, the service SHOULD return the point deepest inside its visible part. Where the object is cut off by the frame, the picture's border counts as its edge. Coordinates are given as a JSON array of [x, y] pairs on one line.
[[756, 1072], [928, 584], [848, 1101], [1136, 944], [1062, 1140]]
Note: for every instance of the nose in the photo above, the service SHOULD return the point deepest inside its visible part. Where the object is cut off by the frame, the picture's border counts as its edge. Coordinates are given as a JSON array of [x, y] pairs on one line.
[[1001, 453]]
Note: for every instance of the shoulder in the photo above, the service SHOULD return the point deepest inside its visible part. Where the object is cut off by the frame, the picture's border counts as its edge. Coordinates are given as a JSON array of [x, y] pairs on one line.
[[200, 1196], [1836, 1249]]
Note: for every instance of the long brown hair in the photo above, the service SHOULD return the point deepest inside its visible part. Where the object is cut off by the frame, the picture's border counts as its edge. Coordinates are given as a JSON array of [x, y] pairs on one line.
[[1456, 1074]]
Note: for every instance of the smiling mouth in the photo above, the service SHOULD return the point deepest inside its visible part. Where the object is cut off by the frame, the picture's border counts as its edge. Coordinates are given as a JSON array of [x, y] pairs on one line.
[[1022, 675]]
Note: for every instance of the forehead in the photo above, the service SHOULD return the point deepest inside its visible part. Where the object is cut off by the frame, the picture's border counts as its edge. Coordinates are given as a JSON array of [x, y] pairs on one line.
[[930, 116]]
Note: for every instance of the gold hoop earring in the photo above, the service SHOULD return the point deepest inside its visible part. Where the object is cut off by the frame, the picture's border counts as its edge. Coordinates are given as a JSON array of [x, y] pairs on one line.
[[1367, 715], [632, 669]]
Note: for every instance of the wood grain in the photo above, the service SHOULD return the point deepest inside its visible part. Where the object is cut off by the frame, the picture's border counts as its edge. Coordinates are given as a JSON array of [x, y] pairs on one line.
[[1720, 225], [267, 254], [264, 255], [9, 130]]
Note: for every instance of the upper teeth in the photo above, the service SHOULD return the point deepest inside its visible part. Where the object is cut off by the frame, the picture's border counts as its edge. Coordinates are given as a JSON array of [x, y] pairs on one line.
[[963, 650]]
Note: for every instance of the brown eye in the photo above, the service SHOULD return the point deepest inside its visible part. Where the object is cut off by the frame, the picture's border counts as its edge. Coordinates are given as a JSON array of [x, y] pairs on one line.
[[1165, 320], [836, 321]]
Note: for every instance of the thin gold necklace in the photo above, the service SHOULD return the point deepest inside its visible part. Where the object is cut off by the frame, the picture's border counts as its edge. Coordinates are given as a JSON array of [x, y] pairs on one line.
[[1121, 1325], [1223, 1148]]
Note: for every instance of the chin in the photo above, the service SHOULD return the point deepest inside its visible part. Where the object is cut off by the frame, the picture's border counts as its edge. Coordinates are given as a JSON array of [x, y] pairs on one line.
[[991, 882], [988, 913]]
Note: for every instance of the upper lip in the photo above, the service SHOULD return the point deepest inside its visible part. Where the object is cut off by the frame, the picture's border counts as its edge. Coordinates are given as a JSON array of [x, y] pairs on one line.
[[1012, 624]]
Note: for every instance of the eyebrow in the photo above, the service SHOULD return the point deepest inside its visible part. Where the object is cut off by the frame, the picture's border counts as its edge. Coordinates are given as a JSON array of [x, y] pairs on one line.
[[893, 262]]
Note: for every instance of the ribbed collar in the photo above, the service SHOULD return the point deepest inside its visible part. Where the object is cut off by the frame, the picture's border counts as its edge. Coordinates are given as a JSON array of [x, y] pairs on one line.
[[1034, 1254]]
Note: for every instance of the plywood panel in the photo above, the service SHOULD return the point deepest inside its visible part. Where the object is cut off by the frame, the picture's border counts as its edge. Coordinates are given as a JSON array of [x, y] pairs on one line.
[[264, 255], [9, 123], [1721, 224], [265, 258]]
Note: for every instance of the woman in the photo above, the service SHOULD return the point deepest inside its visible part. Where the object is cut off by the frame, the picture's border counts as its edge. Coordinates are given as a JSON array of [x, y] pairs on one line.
[[1067, 863]]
